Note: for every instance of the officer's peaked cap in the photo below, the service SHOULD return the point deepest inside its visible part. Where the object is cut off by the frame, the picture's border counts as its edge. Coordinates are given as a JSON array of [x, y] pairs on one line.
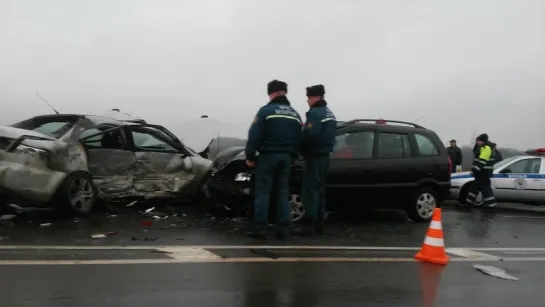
[[316, 90], [276, 86], [483, 137]]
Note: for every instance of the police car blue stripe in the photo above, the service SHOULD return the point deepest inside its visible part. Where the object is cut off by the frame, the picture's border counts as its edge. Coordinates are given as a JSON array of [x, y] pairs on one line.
[[532, 176]]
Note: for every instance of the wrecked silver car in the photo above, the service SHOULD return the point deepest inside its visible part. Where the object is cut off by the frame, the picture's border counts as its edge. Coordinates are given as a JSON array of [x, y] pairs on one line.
[[75, 160]]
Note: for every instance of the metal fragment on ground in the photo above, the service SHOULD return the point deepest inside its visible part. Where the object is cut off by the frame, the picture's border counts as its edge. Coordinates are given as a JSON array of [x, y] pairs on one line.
[[45, 225], [149, 210], [132, 203], [494, 271], [7, 217]]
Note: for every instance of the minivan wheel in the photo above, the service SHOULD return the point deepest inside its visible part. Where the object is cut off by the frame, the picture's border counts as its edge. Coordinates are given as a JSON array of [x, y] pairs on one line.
[[77, 194], [425, 202]]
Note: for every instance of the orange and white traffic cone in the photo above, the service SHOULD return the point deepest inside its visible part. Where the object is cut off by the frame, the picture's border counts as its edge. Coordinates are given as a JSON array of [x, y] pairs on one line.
[[433, 249]]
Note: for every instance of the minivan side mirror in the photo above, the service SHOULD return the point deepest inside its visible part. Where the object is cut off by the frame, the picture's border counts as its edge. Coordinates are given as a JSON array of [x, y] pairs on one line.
[[505, 171]]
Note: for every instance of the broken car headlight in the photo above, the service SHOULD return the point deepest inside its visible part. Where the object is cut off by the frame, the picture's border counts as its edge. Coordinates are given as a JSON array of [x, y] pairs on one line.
[[242, 177]]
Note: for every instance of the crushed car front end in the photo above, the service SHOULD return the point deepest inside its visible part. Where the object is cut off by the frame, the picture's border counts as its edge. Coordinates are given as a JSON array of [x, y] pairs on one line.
[[230, 184]]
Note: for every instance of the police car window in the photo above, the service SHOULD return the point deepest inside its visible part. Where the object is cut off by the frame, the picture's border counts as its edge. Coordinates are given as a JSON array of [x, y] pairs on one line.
[[354, 145], [393, 145], [531, 166], [426, 147]]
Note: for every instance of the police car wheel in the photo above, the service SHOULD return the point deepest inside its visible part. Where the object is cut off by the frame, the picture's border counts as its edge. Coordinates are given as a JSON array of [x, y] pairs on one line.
[[465, 191], [425, 202]]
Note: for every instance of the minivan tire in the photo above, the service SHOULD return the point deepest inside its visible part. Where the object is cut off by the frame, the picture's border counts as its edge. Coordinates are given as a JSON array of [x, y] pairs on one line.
[[422, 207], [77, 194]]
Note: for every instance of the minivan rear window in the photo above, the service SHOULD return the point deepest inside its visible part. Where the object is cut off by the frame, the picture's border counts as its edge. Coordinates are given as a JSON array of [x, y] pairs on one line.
[[426, 146]]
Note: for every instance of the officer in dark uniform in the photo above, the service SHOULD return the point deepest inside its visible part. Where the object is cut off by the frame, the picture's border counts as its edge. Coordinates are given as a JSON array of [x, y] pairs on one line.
[[483, 165], [275, 133], [316, 146]]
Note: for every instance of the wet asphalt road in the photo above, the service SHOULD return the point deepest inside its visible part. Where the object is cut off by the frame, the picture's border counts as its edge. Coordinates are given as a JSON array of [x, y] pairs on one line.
[[246, 277], [189, 226], [270, 284]]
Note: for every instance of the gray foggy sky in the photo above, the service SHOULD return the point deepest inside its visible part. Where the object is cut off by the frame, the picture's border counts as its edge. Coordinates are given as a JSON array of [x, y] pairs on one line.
[[459, 67]]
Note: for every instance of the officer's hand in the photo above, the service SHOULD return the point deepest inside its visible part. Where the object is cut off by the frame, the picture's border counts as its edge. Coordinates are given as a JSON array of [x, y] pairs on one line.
[[250, 164]]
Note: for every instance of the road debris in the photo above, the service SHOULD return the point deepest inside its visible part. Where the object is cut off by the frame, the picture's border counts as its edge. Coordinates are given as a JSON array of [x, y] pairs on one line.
[[103, 235], [146, 223], [7, 217], [132, 203], [45, 224], [168, 227], [135, 238], [494, 271], [149, 210]]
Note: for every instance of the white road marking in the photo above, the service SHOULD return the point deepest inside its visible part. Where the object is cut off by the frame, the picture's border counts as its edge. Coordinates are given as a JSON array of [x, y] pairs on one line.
[[245, 260], [182, 253], [200, 254], [468, 253], [212, 247]]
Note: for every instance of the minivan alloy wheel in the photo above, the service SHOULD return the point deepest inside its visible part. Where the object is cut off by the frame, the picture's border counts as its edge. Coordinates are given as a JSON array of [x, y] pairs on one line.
[[425, 205]]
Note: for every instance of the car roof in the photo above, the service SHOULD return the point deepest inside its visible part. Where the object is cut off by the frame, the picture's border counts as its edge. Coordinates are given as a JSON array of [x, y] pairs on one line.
[[386, 125], [94, 118]]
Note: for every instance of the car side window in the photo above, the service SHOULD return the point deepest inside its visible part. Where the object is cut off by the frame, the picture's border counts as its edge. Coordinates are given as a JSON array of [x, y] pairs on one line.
[[354, 145], [426, 146], [393, 145], [107, 140], [531, 166], [149, 140]]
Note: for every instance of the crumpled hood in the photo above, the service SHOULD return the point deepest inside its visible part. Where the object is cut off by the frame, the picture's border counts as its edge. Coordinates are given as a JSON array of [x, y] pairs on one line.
[[13, 133]]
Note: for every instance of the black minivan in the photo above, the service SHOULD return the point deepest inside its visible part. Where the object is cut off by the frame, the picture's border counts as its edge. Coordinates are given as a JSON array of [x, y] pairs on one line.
[[375, 164]]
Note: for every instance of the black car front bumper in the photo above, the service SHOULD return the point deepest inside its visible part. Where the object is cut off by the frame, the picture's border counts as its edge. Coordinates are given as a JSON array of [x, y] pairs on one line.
[[233, 187]]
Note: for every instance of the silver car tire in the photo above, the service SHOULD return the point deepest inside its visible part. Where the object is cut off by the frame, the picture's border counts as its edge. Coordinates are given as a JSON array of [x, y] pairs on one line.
[[78, 193]]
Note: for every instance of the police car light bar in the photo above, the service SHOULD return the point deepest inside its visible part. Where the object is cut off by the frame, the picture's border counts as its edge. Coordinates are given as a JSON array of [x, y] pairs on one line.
[[537, 152]]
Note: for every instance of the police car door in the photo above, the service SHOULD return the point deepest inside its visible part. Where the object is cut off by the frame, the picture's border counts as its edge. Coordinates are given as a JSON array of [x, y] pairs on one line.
[[521, 181]]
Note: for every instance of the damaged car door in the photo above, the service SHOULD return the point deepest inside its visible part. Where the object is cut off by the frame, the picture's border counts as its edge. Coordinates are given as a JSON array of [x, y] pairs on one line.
[[163, 166], [110, 161]]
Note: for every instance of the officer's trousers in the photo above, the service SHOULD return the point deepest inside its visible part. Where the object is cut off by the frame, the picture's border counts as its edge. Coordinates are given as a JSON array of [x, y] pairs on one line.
[[272, 171], [314, 179], [481, 184]]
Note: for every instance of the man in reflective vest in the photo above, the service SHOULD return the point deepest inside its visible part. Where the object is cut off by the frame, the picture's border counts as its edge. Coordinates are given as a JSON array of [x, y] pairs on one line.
[[317, 143], [483, 165], [274, 133]]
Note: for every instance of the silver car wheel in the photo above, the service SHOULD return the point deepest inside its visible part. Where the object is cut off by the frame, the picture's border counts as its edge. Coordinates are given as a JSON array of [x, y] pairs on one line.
[[425, 205], [81, 194], [298, 211]]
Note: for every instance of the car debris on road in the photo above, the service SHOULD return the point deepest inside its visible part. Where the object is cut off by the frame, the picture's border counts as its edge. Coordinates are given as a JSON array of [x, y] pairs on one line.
[[494, 271]]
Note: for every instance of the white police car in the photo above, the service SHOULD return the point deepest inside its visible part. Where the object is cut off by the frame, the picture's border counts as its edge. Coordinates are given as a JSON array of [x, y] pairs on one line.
[[519, 179]]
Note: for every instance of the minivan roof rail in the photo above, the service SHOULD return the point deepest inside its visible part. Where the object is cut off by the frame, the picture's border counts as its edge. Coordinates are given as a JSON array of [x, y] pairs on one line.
[[380, 120]]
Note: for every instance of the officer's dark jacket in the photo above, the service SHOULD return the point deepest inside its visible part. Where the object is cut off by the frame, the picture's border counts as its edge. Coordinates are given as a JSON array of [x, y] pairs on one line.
[[483, 162], [276, 129], [319, 131], [455, 154]]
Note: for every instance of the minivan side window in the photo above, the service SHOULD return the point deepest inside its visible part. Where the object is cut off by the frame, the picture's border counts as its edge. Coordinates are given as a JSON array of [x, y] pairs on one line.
[[354, 145], [393, 145], [426, 146]]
